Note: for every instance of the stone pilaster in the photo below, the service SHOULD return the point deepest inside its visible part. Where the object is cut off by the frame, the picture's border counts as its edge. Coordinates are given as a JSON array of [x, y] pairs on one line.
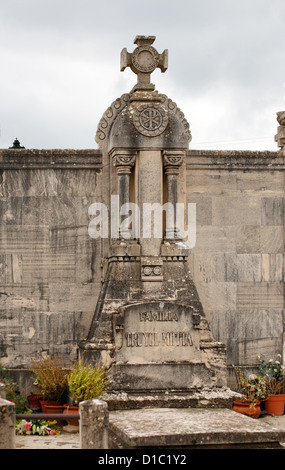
[[124, 163], [172, 160]]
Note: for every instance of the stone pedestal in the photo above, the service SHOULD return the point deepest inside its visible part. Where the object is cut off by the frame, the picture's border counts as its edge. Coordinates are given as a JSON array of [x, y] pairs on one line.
[[149, 323], [7, 424]]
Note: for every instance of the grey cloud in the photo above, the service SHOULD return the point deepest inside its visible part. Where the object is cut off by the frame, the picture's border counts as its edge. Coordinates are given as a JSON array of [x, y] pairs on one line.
[[60, 64]]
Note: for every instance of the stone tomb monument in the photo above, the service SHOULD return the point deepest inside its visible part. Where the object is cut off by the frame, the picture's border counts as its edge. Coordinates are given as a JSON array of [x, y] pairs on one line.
[[149, 323]]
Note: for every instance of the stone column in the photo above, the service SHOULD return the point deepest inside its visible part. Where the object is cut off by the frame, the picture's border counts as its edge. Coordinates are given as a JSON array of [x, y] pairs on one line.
[[7, 424], [124, 162], [94, 419], [172, 160]]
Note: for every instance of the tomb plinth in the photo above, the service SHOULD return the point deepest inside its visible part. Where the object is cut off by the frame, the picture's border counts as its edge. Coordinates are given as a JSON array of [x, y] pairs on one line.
[[149, 323]]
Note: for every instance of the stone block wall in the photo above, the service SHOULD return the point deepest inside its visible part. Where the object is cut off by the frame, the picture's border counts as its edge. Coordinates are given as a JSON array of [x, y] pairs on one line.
[[50, 268], [238, 261]]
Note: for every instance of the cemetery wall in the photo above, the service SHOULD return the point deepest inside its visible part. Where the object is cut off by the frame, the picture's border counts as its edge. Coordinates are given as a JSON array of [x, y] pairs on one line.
[[238, 259], [51, 270]]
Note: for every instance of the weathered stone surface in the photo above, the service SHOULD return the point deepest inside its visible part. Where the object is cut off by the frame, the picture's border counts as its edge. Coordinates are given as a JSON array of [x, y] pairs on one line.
[[51, 271], [214, 397], [47, 259], [201, 428], [94, 418], [7, 424]]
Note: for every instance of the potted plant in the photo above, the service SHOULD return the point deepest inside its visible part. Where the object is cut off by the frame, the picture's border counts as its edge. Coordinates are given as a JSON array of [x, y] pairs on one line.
[[51, 377], [253, 390], [274, 375], [85, 381], [13, 395]]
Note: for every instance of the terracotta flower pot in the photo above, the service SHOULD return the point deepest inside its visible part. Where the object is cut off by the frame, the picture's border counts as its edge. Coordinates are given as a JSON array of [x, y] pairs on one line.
[[49, 403], [68, 409], [34, 402], [55, 409], [244, 408], [274, 404]]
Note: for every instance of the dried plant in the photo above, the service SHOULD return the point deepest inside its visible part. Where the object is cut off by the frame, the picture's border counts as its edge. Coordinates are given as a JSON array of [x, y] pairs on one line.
[[51, 377]]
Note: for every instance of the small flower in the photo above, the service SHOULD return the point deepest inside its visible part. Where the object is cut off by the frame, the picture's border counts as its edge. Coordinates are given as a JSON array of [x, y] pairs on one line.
[[52, 432], [28, 425]]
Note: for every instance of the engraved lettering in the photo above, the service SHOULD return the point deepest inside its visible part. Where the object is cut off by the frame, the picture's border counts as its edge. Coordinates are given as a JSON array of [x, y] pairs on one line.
[[152, 339], [137, 340], [158, 316]]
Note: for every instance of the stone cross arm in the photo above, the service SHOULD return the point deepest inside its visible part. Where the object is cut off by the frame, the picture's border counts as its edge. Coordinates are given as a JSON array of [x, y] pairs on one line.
[[144, 60]]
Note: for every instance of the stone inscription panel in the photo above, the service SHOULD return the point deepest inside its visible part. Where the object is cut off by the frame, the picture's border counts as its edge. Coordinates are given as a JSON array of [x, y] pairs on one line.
[[156, 332]]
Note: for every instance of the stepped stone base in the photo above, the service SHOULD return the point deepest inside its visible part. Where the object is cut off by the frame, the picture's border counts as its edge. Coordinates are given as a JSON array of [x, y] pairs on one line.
[[205, 398]]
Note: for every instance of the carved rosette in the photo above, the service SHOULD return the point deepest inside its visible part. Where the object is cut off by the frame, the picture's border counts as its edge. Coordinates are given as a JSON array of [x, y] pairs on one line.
[[151, 269], [150, 119]]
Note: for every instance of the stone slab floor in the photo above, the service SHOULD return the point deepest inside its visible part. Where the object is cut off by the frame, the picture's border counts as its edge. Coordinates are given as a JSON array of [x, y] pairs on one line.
[[69, 439]]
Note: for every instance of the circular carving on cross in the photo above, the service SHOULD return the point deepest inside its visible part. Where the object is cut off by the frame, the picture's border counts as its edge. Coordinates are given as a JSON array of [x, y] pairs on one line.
[[145, 58], [150, 119]]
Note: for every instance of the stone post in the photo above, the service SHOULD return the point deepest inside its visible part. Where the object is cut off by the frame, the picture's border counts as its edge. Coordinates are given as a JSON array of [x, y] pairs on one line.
[[123, 163], [94, 419], [172, 161], [7, 424]]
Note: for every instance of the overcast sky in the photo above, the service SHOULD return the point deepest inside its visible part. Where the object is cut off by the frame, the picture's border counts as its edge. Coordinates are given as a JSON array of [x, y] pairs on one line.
[[60, 67]]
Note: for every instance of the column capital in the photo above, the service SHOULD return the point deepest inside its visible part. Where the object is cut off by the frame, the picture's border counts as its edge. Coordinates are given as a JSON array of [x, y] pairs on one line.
[[123, 158], [173, 158]]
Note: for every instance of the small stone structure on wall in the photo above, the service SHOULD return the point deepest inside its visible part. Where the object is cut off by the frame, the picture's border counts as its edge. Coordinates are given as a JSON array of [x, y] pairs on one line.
[[142, 303]]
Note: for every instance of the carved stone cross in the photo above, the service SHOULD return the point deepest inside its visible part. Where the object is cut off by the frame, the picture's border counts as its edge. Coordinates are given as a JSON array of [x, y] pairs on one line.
[[143, 61]]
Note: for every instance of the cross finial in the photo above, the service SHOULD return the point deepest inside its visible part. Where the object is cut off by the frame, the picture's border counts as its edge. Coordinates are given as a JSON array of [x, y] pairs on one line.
[[143, 61]]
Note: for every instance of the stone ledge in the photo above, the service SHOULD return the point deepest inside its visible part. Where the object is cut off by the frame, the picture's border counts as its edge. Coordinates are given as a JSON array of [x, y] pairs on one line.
[[205, 398], [234, 160], [50, 158]]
